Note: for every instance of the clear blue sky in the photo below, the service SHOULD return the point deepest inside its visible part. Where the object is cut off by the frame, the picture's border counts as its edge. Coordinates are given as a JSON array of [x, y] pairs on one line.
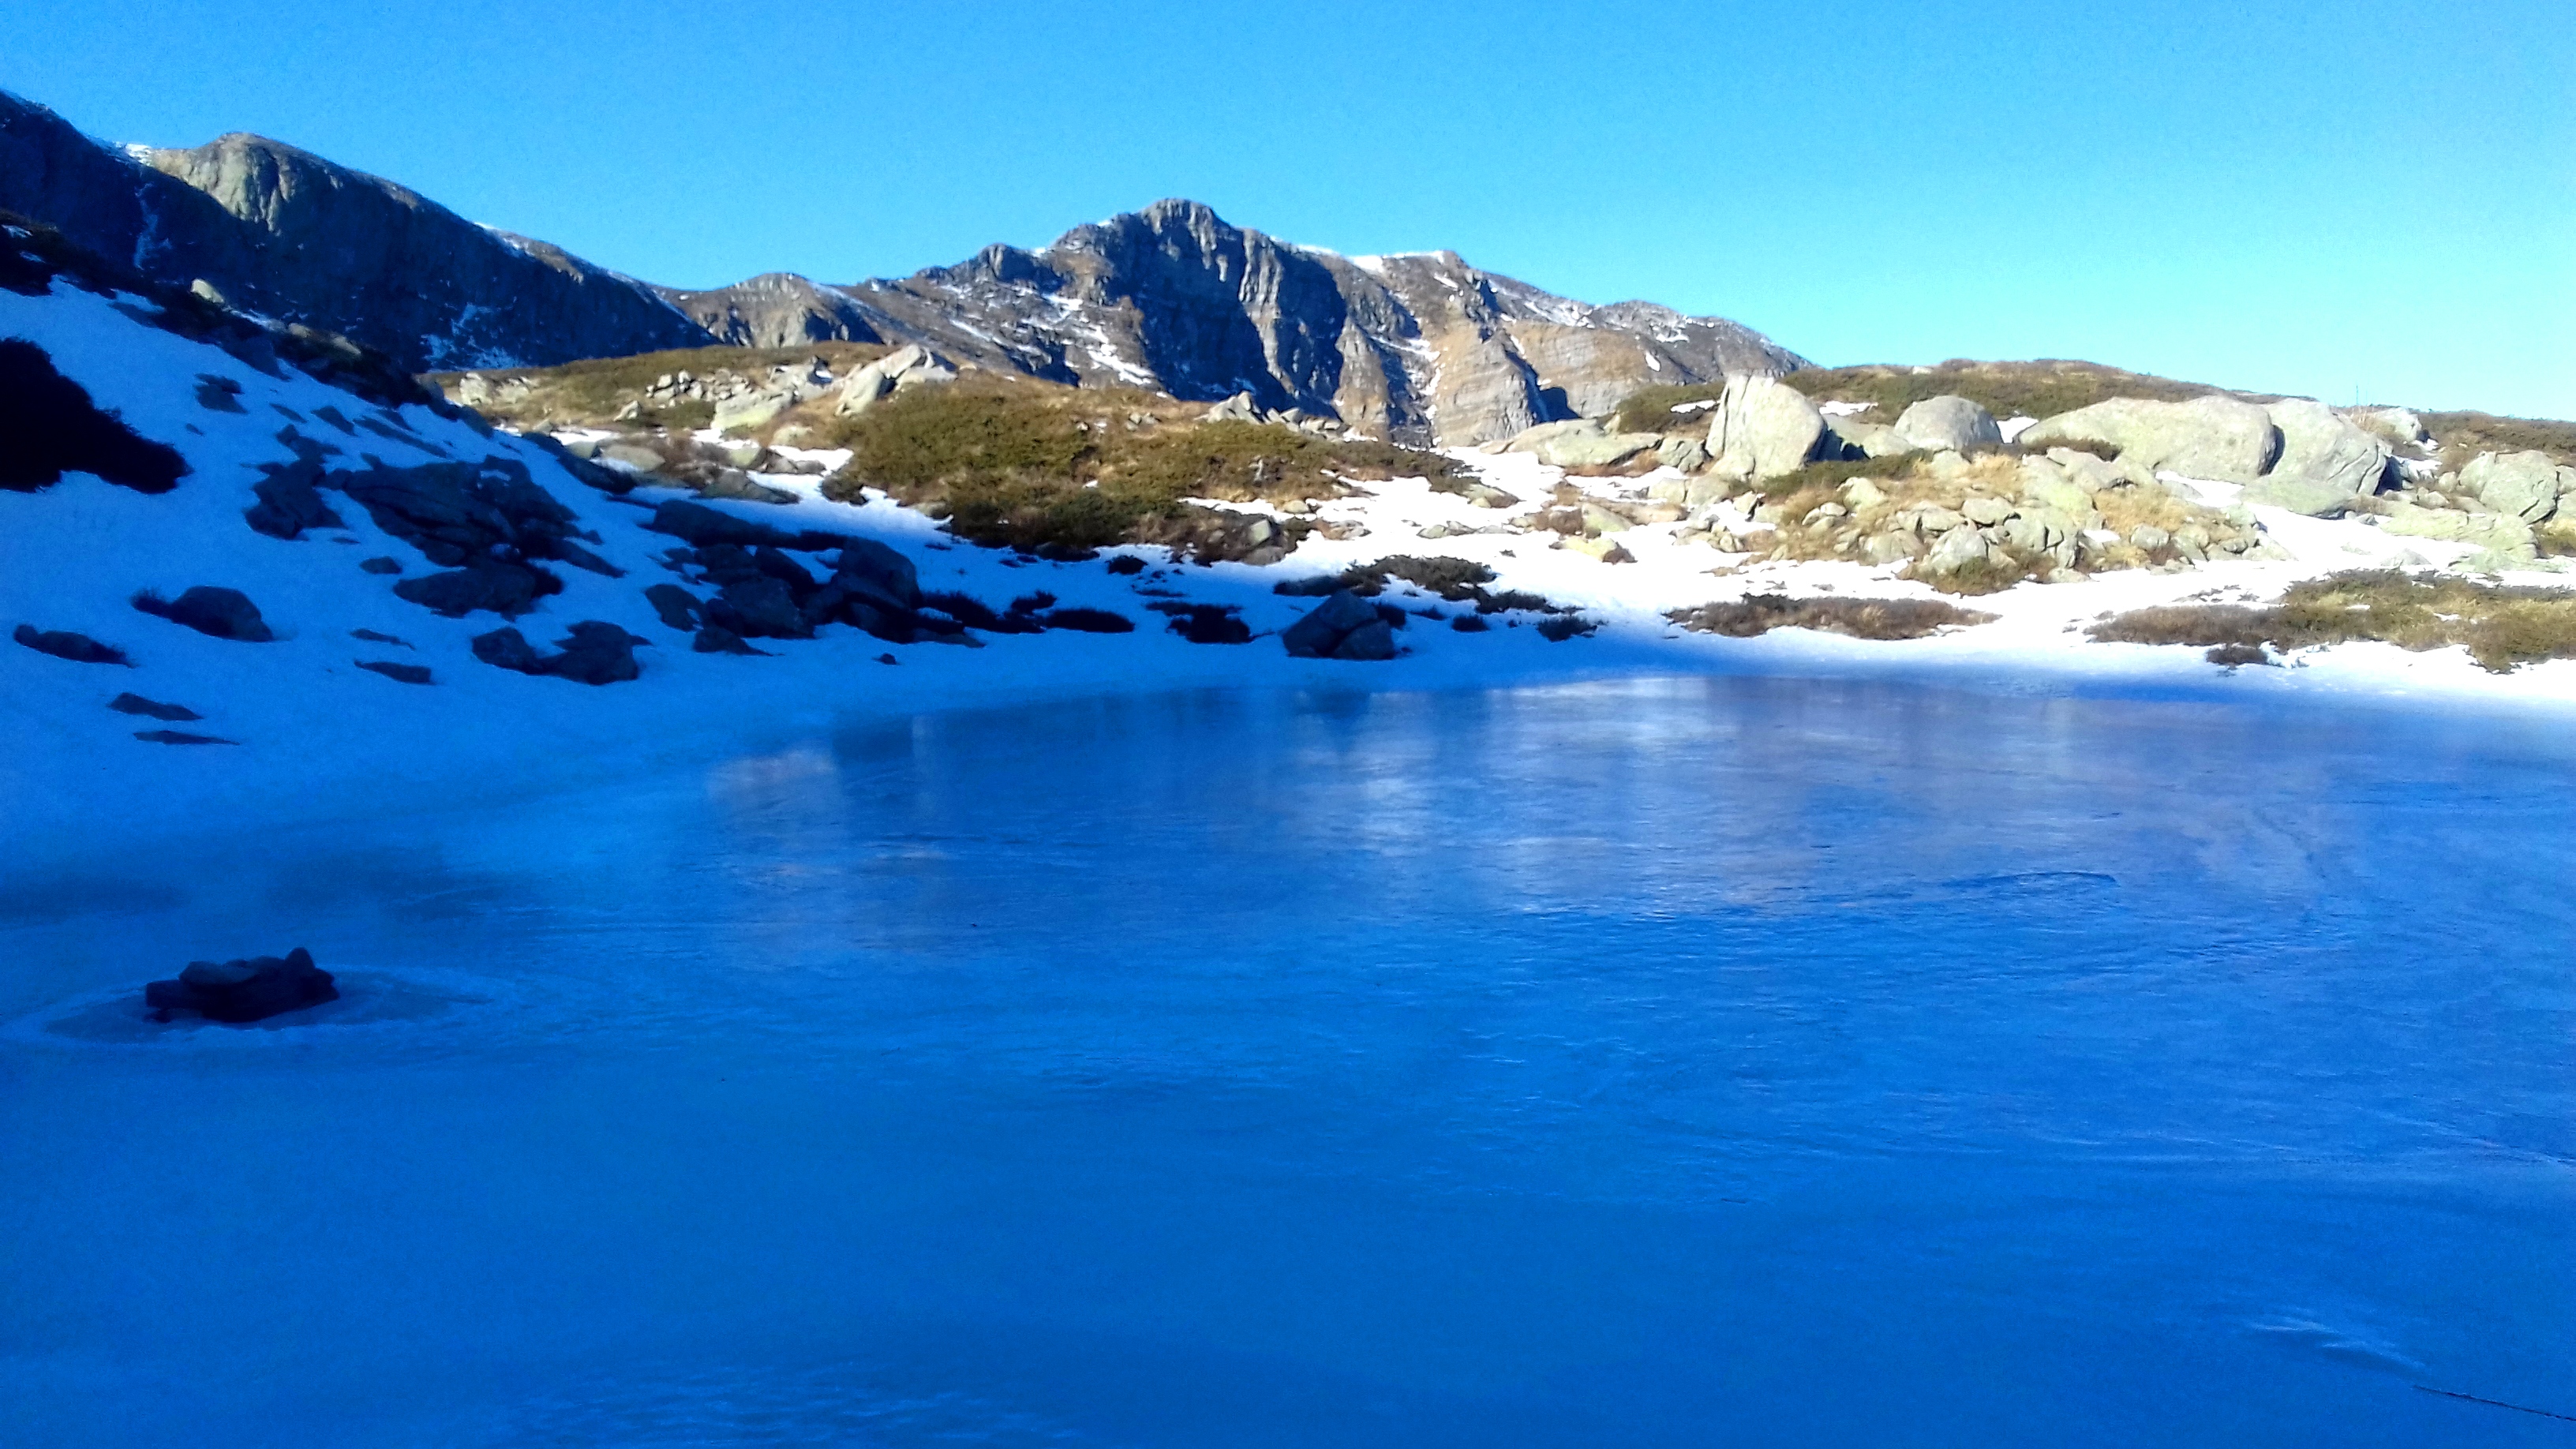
[[2379, 194]]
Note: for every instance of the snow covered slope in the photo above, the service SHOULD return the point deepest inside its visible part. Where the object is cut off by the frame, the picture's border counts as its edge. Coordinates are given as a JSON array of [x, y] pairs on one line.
[[310, 732]]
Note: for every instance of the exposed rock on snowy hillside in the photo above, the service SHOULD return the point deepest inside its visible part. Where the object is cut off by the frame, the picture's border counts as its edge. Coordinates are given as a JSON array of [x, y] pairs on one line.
[[287, 234]]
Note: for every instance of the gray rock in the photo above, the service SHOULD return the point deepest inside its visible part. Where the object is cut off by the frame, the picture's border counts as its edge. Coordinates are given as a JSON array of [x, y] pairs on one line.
[[1581, 443], [1952, 422], [1869, 440], [2502, 533], [1324, 628], [759, 607], [1893, 546], [394, 670], [64, 644], [1956, 550], [219, 612], [1688, 454], [1763, 428], [289, 503], [2150, 538], [595, 652], [483, 585], [152, 708], [2396, 425], [737, 484], [1986, 511], [2525, 485], [1371, 641], [2217, 438], [633, 455], [242, 991], [677, 607], [2323, 456], [507, 649]]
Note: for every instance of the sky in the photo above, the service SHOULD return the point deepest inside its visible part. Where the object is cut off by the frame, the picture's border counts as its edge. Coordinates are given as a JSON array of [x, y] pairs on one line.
[[2373, 199]]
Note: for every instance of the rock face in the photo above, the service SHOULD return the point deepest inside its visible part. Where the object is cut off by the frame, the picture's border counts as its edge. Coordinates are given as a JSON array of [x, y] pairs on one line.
[[240, 991], [282, 232], [1419, 348], [2217, 438], [1762, 428], [1953, 423], [2326, 460]]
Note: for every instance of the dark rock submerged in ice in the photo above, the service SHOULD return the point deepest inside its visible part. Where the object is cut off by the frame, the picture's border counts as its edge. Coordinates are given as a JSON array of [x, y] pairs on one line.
[[239, 991]]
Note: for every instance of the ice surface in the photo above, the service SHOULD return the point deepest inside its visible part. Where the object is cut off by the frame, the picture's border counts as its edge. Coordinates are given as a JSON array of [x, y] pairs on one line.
[[1684, 1062]]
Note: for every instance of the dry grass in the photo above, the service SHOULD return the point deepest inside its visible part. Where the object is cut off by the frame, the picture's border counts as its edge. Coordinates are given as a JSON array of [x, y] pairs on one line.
[[1032, 465], [2501, 627], [1859, 618], [2035, 389], [2465, 435]]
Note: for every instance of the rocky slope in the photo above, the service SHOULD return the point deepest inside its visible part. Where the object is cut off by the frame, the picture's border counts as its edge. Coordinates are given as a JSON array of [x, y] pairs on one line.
[[1416, 349], [1419, 348], [289, 235]]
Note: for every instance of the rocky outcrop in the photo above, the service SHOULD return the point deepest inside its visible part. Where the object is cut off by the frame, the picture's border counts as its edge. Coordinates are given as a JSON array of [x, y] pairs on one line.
[[52, 428], [2326, 461], [2526, 486], [1762, 428], [1419, 348], [592, 652], [242, 991], [1953, 423], [905, 367], [2217, 438], [285, 233]]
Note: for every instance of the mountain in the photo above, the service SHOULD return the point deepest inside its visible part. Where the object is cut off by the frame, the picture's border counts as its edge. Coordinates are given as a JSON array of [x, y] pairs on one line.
[[1417, 348], [287, 234]]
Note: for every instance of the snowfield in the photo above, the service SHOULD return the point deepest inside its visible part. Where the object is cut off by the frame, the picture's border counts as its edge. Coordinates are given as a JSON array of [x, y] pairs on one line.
[[315, 736]]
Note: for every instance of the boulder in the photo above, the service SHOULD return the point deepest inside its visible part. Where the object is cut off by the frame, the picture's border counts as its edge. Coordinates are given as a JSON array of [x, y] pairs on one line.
[[1581, 443], [241, 991], [2500, 533], [64, 644], [152, 708], [715, 640], [1240, 408], [1687, 454], [1762, 428], [2217, 438], [756, 409], [219, 612], [506, 589], [1870, 440], [736, 484], [905, 367], [394, 670], [1322, 631], [1948, 421], [632, 455], [1372, 641], [592, 652], [2325, 463], [677, 607], [1955, 550], [759, 607], [699, 525], [2524, 485], [2397, 425], [289, 503]]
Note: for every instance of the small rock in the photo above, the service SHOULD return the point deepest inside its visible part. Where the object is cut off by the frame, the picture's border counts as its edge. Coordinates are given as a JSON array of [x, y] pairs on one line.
[[380, 565], [137, 704], [218, 612], [64, 644], [243, 991], [176, 737], [399, 673]]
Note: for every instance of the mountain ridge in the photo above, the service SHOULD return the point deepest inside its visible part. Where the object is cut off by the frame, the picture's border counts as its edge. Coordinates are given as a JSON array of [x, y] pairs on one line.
[[1416, 347]]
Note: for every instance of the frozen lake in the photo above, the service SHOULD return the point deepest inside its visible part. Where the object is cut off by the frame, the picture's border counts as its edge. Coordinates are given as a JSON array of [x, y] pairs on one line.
[[1697, 1062]]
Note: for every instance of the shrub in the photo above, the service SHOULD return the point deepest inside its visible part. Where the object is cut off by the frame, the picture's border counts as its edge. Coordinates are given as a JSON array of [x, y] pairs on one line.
[[1835, 473], [2501, 627], [1860, 618], [2465, 435]]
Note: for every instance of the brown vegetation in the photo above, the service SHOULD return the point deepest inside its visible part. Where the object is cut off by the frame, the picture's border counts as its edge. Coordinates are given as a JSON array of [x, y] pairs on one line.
[[2500, 626], [1860, 618]]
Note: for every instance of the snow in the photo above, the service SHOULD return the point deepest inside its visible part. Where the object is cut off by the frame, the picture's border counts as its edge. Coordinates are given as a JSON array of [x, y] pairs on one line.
[[319, 736]]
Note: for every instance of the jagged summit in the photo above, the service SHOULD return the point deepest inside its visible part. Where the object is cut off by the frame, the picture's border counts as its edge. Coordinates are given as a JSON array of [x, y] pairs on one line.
[[1414, 347], [1418, 347]]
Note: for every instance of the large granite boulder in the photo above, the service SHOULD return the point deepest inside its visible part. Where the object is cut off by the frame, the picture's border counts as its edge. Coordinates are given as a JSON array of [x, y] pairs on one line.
[[2326, 461], [2215, 438], [240, 991], [1581, 443], [219, 612], [2524, 485], [1763, 428], [908, 366], [1948, 422], [2497, 533], [1848, 435]]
